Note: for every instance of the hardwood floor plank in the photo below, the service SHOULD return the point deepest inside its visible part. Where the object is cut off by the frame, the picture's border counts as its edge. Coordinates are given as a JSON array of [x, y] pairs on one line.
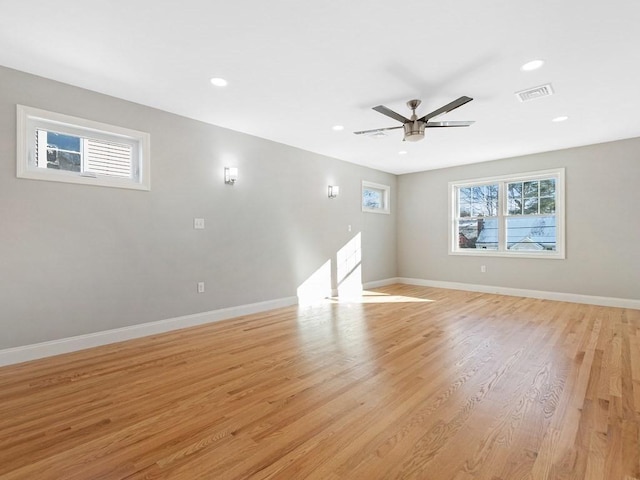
[[408, 382]]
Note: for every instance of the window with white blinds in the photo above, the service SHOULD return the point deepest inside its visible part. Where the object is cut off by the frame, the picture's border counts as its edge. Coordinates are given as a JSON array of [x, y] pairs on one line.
[[58, 147]]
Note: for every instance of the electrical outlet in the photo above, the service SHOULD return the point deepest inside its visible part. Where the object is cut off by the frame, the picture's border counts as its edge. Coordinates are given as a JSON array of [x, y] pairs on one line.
[[198, 223], [200, 287], [349, 228], [483, 268]]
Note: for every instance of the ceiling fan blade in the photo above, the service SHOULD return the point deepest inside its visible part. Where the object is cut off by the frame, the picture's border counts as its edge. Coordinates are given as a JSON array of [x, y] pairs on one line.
[[447, 108], [390, 113], [449, 124], [377, 130]]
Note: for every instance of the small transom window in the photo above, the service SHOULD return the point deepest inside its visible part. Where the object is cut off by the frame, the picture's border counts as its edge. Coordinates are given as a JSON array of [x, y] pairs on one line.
[[375, 198], [57, 147]]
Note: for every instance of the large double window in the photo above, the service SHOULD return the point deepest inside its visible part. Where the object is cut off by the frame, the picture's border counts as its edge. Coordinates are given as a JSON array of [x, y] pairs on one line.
[[515, 215]]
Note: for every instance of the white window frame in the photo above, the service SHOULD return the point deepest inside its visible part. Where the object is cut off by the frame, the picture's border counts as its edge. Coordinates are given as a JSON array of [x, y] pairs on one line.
[[30, 119], [385, 190], [502, 181]]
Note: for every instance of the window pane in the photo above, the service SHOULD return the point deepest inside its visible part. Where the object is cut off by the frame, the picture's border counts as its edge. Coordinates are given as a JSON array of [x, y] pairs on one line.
[[530, 189], [491, 200], [376, 198], [467, 233], [485, 201], [531, 233], [547, 205], [372, 198], [465, 198], [515, 206], [514, 198], [63, 142], [538, 197], [61, 160], [62, 151], [531, 206], [515, 190], [465, 211], [548, 187], [478, 233]]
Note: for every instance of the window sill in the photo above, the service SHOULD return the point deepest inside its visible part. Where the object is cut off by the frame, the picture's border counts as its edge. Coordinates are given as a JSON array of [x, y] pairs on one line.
[[376, 210], [495, 253]]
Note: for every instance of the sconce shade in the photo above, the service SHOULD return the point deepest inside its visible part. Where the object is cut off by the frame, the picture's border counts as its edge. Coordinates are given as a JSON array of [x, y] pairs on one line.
[[230, 175]]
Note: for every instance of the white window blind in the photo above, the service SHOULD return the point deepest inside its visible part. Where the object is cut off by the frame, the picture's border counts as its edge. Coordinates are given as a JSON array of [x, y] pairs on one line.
[[107, 158]]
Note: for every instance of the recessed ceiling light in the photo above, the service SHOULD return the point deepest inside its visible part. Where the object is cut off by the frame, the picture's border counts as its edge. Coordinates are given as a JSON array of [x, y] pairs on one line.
[[561, 118], [532, 65], [338, 128], [219, 82], [402, 152]]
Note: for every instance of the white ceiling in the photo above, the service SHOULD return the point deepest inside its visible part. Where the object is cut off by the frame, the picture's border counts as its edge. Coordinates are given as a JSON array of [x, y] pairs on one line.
[[296, 68]]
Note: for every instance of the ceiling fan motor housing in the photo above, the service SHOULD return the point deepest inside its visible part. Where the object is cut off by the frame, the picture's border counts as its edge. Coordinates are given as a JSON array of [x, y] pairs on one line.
[[414, 131], [414, 128]]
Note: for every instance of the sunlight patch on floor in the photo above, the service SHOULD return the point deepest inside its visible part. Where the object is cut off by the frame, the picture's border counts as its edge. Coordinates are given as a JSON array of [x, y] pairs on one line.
[[378, 297]]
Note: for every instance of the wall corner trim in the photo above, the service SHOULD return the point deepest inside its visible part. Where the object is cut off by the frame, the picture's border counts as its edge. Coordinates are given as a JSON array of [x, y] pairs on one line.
[[35, 351]]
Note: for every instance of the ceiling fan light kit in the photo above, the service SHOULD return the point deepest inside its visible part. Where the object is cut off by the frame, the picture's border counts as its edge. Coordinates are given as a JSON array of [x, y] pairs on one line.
[[414, 127], [414, 131]]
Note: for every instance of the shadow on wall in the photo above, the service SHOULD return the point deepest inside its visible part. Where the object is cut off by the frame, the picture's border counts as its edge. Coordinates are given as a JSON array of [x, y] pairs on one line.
[[348, 275]]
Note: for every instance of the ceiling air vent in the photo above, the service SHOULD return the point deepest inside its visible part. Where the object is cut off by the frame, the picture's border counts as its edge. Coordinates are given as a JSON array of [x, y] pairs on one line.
[[535, 92]]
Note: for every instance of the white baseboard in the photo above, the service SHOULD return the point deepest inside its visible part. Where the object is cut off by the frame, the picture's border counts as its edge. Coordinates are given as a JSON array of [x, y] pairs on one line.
[[381, 283], [15, 355], [26, 353], [520, 292]]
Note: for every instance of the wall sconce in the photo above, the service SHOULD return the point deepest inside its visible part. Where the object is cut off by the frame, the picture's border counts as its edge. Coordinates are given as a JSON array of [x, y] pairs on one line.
[[230, 175], [334, 191]]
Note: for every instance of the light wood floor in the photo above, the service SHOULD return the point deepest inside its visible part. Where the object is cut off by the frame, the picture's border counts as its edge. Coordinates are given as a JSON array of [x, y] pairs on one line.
[[411, 382]]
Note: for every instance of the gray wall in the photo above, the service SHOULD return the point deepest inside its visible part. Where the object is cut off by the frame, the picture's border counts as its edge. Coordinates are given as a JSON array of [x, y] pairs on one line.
[[602, 225], [77, 259]]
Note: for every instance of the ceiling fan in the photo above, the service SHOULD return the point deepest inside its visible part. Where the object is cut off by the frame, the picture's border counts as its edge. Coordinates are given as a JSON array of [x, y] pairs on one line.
[[414, 126]]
